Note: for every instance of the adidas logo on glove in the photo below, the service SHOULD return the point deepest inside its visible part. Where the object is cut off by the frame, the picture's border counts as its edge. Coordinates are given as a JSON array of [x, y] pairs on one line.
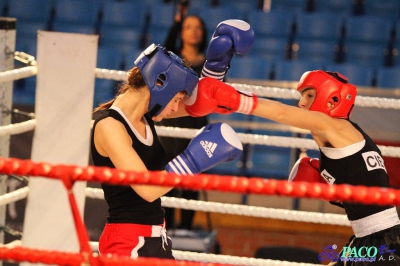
[[209, 147], [193, 161]]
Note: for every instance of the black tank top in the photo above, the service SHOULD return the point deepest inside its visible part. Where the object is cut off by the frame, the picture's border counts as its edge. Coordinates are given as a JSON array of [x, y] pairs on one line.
[[363, 167], [124, 204]]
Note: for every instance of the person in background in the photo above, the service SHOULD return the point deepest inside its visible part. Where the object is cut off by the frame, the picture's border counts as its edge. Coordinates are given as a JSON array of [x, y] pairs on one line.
[[187, 38]]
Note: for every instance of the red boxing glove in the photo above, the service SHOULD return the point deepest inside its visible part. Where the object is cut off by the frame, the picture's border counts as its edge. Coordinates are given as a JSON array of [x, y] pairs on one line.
[[306, 169], [215, 96]]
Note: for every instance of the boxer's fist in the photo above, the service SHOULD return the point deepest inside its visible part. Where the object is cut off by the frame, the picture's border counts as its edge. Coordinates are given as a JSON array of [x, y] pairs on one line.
[[215, 96], [306, 169], [214, 144], [230, 37]]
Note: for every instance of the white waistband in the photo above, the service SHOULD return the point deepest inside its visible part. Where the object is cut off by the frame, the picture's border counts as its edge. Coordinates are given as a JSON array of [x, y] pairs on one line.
[[375, 223], [156, 230]]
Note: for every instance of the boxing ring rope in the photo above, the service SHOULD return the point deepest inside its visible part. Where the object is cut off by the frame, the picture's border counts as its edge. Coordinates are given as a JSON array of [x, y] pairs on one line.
[[255, 139], [17, 253], [14, 196], [20, 73], [17, 128], [266, 91], [69, 174], [206, 206], [243, 185], [261, 91], [236, 209], [73, 259]]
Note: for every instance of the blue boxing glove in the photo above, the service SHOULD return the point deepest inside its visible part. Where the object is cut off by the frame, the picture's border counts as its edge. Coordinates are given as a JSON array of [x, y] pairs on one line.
[[230, 37], [214, 144]]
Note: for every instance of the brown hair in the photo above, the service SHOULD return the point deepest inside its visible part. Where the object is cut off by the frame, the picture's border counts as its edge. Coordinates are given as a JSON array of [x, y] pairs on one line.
[[135, 81]]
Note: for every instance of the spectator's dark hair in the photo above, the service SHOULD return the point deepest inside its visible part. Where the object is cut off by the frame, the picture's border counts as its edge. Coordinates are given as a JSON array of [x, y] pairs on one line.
[[204, 39]]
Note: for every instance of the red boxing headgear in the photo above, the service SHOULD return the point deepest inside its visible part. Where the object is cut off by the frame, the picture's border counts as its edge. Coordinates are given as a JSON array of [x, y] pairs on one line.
[[331, 88]]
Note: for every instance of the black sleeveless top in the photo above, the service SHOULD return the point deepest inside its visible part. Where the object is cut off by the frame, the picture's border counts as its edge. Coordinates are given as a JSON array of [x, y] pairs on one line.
[[124, 204], [356, 166]]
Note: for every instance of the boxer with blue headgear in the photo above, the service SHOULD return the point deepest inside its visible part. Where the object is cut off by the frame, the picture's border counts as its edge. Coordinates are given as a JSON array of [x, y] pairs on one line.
[[165, 75], [124, 137]]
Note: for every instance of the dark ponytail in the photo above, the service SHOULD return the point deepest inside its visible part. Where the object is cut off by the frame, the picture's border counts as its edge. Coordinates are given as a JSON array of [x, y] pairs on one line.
[[135, 81]]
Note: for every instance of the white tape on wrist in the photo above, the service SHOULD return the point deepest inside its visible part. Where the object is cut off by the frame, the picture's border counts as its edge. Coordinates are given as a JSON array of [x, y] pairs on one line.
[[246, 103], [212, 74]]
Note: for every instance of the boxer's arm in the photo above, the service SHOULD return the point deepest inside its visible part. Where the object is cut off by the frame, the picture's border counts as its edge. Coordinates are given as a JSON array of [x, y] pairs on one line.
[[112, 140], [294, 116]]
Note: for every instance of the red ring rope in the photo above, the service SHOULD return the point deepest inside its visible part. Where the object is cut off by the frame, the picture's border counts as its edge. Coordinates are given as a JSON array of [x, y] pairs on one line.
[[75, 259], [70, 173]]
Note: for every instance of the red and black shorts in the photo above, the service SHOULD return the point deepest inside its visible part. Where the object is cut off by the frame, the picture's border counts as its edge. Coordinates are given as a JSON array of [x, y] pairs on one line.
[[135, 240]]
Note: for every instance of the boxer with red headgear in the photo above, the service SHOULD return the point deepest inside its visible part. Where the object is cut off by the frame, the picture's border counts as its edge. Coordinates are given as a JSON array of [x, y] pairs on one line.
[[334, 95], [347, 154]]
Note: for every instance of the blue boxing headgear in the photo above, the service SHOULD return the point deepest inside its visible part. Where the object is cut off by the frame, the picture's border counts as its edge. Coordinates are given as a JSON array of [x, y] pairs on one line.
[[165, 75]]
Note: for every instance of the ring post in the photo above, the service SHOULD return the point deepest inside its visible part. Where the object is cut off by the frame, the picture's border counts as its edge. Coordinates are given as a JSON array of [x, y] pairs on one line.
[[7, 45], [64, 101]]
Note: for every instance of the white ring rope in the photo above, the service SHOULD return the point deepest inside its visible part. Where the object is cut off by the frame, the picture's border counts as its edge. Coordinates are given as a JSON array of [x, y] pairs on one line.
[[17, 128], [12, 244], [277, 141], [273, 92], [254, 211], [14, 196], [201, 257], [217, 207], [19, 73], [236, 209], [223, 259], [234, 260], [102, 73], [268, 92], [262, 91]]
